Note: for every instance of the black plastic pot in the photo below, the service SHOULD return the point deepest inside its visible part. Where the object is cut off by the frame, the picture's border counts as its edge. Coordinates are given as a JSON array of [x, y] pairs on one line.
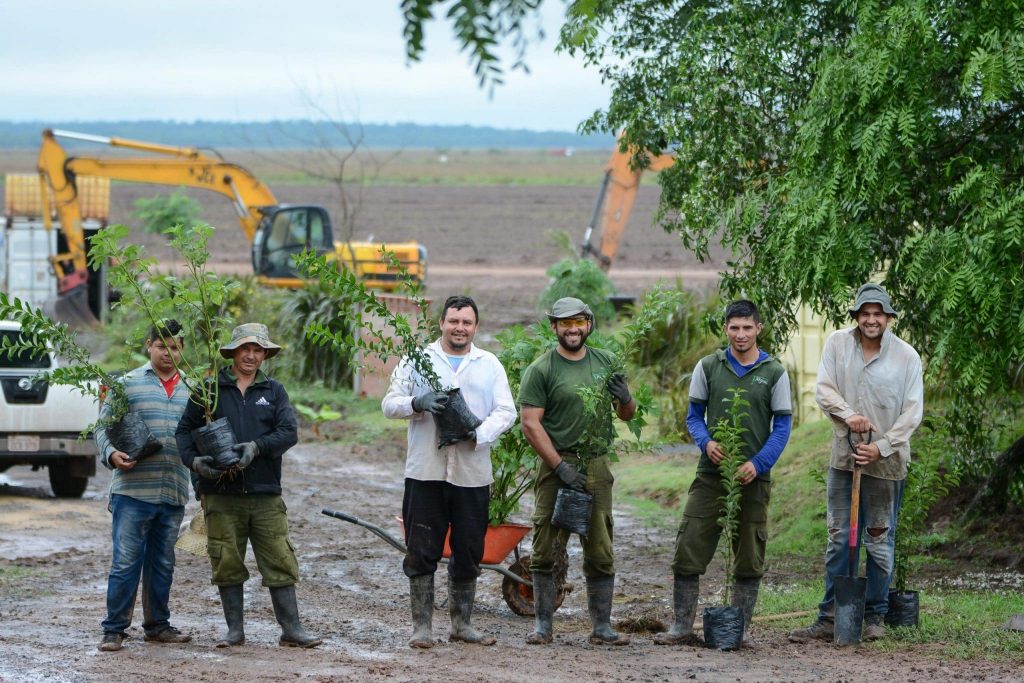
[[133, 437], [216, 439], [723, 628], [572, 510], [904, 608], [456, 421]]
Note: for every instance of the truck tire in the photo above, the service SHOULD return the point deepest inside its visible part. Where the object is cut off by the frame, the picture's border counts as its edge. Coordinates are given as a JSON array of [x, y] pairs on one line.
[[64, 483]]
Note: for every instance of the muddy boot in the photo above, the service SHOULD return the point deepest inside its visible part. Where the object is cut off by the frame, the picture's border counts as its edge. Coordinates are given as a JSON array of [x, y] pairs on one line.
[[824, 628], [233, 601], [461, 595], [874, 629], [286, 609], [744, 596], [685, 590], [421, 594], [543, 608], [599, 604]]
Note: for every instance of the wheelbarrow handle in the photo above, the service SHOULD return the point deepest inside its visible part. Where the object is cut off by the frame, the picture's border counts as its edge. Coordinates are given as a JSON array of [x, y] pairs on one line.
[[388, 538]]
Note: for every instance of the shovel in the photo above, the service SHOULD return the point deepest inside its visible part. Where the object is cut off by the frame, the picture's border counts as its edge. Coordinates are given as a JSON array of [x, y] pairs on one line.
[[851, 591]]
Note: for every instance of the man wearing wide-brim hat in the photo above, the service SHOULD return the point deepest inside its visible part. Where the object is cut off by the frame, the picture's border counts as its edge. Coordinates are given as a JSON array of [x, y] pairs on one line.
[[870, 385], [554, 422], [242, 504]]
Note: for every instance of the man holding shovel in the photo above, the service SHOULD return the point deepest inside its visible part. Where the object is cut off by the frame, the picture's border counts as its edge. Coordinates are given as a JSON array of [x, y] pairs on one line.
[[870, 385], [448, 486], [765, 385], [553, 419]]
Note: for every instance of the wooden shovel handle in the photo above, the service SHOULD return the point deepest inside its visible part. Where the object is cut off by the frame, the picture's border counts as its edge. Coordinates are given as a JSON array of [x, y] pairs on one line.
[[854, 520]]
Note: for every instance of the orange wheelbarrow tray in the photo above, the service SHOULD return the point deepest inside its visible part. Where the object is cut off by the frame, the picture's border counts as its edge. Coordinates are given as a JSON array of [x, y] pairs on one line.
[[498, 543]]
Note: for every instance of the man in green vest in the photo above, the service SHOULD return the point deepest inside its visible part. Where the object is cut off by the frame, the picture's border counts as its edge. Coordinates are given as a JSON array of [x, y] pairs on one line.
[[765, 385]]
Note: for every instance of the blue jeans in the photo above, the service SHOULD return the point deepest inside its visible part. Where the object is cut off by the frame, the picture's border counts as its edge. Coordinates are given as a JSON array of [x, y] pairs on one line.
[[143, 537], [880, 501]]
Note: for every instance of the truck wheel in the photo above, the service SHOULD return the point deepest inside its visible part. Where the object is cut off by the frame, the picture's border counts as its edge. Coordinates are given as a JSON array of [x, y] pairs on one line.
[[63, 483]]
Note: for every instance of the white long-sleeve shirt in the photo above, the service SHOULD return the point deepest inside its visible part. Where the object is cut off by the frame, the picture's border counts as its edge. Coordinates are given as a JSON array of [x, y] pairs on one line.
[[485, 388], [888, 390]]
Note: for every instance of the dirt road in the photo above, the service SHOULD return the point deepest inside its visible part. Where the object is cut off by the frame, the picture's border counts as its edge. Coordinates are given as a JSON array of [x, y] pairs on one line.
[[55, 558]]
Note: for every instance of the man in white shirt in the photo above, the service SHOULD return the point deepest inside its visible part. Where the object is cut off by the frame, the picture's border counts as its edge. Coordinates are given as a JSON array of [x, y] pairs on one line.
[[870, 385], [449, 486]]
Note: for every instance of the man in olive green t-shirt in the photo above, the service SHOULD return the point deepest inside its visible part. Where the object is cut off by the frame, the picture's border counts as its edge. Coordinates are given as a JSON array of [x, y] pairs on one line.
[[552, 416]]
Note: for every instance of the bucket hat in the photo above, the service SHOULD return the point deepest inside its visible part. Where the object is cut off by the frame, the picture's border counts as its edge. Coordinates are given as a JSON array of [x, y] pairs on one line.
[[250, 333], [872, 294], [569, 307]]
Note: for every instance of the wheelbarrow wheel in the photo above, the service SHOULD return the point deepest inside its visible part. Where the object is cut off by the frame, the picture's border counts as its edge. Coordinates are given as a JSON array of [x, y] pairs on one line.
[[519, 597]]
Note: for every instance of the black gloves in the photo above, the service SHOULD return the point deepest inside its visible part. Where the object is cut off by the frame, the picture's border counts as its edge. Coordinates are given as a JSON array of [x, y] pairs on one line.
[[571, 476], [433, 402], [203, 466], [247, 451], [618, 389]]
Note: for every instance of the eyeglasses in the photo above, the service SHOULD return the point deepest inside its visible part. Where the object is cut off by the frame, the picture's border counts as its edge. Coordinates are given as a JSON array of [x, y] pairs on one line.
[[569, 323]]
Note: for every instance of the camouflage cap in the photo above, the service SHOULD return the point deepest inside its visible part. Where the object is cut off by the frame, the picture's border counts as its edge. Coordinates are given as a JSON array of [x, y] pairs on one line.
[[250, 333], [872, 294], [569, 307]]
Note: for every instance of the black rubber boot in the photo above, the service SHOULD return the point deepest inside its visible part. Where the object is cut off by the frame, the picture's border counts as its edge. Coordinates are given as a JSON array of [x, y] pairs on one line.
[[461, 596], [685, 590], [421, 594], [286, 609], [233, 601], [543, 608], [744, 596], [599, 603]]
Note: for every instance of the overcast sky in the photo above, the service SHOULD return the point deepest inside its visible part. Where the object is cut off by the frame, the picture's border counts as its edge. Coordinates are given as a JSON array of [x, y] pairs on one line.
[[252, 59]]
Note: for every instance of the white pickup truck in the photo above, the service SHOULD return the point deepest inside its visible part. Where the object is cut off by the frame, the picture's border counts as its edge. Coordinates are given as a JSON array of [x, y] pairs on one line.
[[40, 423]]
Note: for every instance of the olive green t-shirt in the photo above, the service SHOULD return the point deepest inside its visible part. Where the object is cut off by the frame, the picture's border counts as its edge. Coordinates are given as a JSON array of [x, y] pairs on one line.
[[551, 383]]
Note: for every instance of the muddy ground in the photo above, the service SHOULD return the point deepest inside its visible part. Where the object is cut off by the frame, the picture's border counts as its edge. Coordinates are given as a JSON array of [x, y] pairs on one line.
[[56, 557]]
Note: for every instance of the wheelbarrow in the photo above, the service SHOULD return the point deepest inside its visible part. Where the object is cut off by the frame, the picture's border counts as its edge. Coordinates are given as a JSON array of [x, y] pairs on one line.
[[499, 541]]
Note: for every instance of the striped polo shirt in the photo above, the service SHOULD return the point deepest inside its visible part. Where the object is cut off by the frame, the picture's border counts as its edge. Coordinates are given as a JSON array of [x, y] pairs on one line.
[[160, 478]]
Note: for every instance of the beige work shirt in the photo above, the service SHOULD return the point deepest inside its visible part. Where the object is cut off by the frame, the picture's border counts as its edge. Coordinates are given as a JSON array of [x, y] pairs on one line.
[[888, 390]]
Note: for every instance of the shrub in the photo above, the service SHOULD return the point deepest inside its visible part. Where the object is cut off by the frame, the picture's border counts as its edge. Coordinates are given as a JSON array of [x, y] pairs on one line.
[[159, 214]]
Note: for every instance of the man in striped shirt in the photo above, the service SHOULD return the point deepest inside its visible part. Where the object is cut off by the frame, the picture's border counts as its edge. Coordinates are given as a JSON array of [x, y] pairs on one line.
[[147, 497]]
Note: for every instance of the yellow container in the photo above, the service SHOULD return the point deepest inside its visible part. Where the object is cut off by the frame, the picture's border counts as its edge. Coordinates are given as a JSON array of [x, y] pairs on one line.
[[22, 197]]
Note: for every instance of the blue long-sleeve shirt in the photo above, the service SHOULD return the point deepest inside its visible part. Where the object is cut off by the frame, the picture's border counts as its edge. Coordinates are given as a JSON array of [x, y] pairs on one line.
[[765, 458]]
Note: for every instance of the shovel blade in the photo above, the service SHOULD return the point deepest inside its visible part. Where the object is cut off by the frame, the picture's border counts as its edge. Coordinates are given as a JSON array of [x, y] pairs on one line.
[[850, 595]]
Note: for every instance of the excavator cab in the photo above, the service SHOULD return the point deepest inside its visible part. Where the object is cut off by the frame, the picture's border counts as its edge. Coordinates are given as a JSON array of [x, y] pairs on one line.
[[283, 232]]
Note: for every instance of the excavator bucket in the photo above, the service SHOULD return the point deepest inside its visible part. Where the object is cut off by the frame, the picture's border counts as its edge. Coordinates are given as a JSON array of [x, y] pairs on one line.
[[72, 308]]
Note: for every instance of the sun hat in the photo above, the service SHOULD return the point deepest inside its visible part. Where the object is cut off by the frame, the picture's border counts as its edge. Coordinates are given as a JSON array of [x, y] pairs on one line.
[[250, 333], [569, 307], [872, 294]]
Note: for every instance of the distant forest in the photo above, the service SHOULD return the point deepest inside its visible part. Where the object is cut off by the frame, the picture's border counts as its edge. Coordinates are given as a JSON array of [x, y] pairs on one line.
[[294, 134]]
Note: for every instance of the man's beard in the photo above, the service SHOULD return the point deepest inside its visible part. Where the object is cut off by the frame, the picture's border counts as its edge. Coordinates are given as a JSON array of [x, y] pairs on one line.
[[576, 346]]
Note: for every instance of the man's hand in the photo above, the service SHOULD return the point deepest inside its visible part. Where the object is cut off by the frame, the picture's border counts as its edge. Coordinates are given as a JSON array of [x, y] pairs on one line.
[[714, 451], [866, 453], [120, 460], [746, 473], [203, 466], [571, 476], [248, 451], [432, 402], [468, 436], [860, 424], [618, 388]]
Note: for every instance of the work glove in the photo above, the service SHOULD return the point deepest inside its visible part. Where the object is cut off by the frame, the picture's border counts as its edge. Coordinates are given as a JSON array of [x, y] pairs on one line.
[[203, 466], [571, 476], [468, 436], [618, 389], [433, 402], [247, 451]]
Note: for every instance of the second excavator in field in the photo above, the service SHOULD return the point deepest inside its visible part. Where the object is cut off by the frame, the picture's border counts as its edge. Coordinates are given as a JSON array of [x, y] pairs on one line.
[[276, 231]]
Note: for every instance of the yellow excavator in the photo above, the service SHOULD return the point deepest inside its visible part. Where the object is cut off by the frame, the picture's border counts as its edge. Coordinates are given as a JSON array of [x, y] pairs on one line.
[[276, 231], [615, 202]]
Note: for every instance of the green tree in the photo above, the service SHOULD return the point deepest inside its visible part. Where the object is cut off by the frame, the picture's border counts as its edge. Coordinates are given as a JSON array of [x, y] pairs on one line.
[[827, 142]]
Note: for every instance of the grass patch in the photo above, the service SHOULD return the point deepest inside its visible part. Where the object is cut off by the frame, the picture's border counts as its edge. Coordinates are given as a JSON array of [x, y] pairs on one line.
[[361, 422]]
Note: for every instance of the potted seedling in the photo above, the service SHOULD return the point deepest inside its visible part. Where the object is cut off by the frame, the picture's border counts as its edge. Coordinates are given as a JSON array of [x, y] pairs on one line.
[[926, 482], [572, 507], [40, 334], [197, 300], [723, 626], [406, 339]]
